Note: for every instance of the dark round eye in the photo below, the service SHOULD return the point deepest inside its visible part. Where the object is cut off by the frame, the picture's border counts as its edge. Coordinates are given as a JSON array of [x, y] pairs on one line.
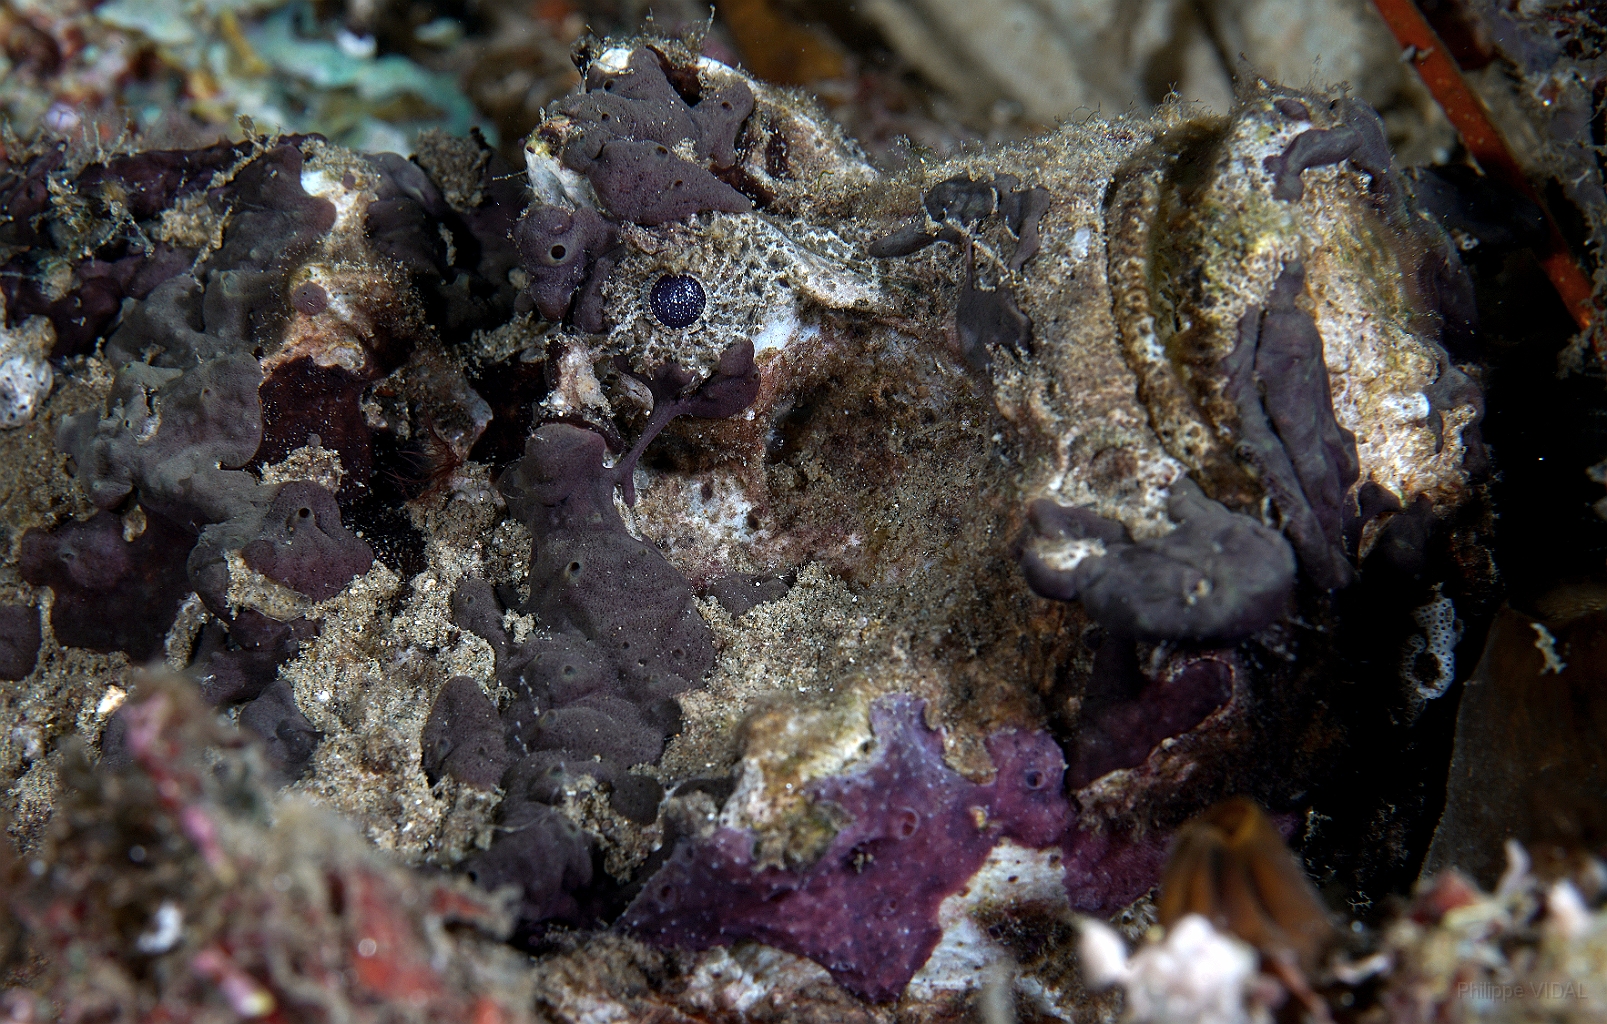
[[676, 300]]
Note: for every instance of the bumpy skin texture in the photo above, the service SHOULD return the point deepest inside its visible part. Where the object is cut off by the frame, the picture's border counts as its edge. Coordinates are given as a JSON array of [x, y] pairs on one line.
[[20, 636], [1217, 578], [867, 909], [1304, 459], [594, 690]]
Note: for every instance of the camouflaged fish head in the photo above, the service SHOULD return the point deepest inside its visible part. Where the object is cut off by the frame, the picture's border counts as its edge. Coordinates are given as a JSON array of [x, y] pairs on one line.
[[1249, 300]]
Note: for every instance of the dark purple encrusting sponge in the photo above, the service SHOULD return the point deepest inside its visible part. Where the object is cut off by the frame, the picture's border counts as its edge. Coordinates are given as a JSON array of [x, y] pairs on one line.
[[630, 124], [1107, 871], [986, 317], [303, 545], [173, 437], [288, 739], [988, 320], [732, 387], [628, 127], [1217, 578], [1304, 459], [593, 690], [237, 299], [541, 852], [25, 196], [562, 250], [111, 594], [1125, 714], [239, 662], [1359, 140], [867, 909], [463, 736], [309, 298], [302, 400], [20, 637], [459, 260], [646, 183], [136, 186], [959, 203]]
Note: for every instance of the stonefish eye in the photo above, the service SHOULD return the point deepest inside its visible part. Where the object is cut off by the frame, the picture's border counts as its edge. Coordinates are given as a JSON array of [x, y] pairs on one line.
[[676, 300]]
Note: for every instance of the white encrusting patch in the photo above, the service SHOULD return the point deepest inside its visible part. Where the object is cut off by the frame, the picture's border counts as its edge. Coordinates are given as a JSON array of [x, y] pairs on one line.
[[1067, 555], [1012, 876], [25, 373], [1411, 407], [318, 182], [780, 329], [1080, 240]]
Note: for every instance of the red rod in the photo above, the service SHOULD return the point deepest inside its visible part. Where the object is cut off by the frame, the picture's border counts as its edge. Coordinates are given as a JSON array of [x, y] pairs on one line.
[[1470, 117]]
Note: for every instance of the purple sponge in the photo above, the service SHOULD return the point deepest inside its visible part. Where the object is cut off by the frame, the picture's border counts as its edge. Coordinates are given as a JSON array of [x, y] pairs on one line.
[[112, 594], [867, 909], [303, 544], [20, 637], [463, 736]]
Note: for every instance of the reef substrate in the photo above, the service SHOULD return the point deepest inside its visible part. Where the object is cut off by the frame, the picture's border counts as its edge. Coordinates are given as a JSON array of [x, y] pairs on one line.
[[778, 582]]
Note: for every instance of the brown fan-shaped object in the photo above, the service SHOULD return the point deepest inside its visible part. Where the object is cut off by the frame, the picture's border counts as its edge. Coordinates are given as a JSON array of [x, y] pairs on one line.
[[1231, 866]]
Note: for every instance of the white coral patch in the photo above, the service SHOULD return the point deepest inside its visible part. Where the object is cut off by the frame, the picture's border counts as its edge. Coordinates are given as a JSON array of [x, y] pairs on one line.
[[25, 374], [1080, 241], [323, 184], [775, 332], [552, 182], [25, 381], [1103, 955], [966, 955], [167, 928], [1197, 975], [1412, 407], [1064, 556]]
